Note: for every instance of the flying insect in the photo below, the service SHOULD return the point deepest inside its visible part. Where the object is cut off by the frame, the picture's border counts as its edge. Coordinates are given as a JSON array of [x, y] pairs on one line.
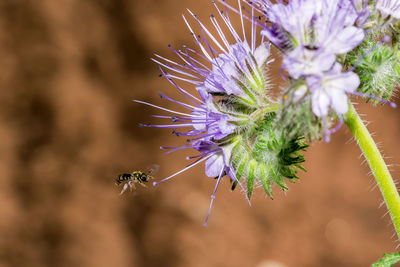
[[136, 177]]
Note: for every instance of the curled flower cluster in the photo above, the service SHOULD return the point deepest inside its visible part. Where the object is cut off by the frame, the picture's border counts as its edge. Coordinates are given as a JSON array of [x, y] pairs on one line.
[[231, 118]]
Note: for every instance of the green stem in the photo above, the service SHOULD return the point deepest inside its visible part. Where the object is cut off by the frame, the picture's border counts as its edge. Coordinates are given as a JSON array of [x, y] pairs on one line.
[[377, 165]]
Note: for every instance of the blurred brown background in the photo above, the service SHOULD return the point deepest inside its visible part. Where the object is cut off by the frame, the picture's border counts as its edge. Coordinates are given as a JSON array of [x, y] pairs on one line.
[[68, 72]]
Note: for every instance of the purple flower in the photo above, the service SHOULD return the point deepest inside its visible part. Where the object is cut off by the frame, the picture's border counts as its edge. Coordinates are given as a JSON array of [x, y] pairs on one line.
[[206, 127], [289, 23], [389, 8], [234, 72], [326, 24], [362, 9], [334, 27], [302, 61], [312, 32], [217, 161], [206, 118], [229, 68], [330, 90]]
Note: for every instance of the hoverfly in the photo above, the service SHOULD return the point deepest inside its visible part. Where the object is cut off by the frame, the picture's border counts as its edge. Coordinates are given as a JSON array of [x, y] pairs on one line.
[[138, 177]]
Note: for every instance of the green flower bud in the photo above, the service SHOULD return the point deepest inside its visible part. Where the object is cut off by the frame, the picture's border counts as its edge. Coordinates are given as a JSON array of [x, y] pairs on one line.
[[267, 156], [379, 69]]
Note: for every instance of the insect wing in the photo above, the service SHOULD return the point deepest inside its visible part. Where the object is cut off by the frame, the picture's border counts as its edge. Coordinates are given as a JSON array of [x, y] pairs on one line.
[[153, 168], [124, 188]]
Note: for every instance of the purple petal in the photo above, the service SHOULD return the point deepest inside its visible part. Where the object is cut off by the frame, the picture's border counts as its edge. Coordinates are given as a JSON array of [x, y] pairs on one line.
[[214, 165], [302, 61], [339, 101], [347, 82], [320, 103], [345, 40]]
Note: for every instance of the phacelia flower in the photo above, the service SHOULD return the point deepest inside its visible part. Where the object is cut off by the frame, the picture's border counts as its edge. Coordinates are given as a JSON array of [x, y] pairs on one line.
[[313, 24], [303, 62], [229, 118], [389, 8], [318, 31], [330, 90], [312, 34]]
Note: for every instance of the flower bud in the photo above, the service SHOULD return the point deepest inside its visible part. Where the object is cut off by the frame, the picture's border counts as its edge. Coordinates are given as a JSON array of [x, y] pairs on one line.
[[379, 69]]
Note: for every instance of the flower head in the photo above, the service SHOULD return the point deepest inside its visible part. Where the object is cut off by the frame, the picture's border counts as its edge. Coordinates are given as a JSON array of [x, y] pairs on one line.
[[230, 84]]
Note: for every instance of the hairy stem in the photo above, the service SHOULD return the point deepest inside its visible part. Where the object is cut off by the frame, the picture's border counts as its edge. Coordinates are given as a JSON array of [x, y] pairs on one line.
[[377, 165]]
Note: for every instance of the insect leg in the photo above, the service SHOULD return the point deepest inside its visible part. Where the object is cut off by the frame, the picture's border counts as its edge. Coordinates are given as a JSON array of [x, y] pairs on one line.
[[124, 189], [142, 184]]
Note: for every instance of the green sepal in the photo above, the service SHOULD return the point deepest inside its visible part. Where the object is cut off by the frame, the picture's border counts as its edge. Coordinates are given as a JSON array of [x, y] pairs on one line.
[[239, 162], [247, 91], [278, 179], [251, 177], [265, 180], [301, 167], [267, 154]]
